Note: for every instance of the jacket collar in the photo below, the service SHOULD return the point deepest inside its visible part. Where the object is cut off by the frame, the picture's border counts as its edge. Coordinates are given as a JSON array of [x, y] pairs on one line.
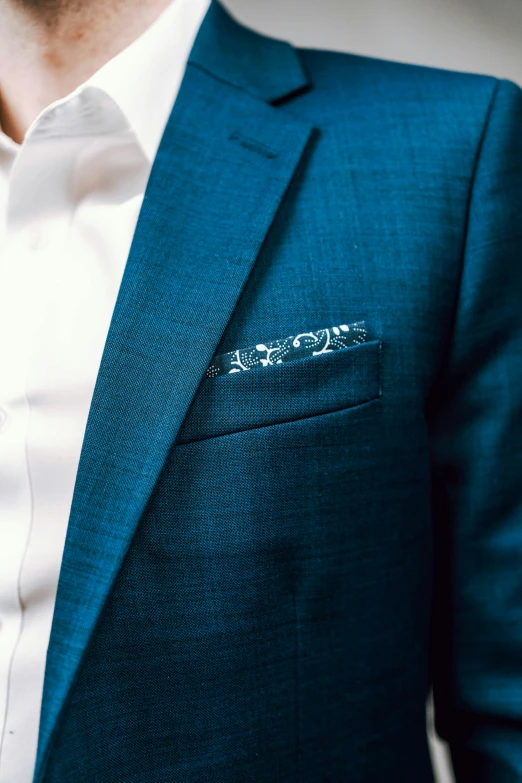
[[266, 68]]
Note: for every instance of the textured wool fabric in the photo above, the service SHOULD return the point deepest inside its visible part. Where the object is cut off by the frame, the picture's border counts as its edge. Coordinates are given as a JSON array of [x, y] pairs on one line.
[[265, 572]]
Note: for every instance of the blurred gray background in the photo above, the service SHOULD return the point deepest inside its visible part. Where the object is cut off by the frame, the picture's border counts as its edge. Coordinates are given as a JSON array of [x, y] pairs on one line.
[[483, 36]]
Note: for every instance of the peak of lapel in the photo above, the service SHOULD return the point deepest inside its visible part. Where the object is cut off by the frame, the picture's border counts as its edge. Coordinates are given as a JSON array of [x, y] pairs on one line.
[[266, 68], [222, 168]]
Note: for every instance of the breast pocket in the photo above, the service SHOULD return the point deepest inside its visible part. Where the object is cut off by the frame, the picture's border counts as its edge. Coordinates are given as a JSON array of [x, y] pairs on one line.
[[284, 392]]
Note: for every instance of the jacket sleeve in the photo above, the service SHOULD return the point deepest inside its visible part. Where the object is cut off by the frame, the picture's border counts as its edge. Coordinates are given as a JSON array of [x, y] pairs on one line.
[[475, 421]]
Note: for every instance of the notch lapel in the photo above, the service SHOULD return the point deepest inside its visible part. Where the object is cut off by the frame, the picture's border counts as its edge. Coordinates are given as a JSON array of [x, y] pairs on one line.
[[223, 166]]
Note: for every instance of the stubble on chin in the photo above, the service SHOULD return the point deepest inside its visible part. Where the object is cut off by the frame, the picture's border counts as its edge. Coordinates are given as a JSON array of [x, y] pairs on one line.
[[52, 13]]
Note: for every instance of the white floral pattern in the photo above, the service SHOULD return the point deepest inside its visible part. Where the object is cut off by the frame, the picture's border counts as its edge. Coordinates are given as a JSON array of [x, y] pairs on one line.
[[288, 350]]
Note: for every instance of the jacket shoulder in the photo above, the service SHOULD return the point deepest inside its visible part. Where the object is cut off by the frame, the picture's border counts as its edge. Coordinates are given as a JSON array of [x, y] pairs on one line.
[[338, 79]]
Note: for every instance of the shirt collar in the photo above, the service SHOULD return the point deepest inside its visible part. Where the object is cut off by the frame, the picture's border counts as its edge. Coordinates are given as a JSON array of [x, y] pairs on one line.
[[144, 78]]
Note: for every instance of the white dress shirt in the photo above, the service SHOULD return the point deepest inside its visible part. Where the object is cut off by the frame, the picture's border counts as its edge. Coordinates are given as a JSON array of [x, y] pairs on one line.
[[70, 196]]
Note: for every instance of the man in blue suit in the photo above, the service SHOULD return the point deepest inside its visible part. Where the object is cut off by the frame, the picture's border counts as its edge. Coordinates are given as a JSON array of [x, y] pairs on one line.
[[260, 406]]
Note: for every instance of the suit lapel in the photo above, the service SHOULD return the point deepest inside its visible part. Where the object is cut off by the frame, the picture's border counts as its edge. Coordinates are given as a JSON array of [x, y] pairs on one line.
[[223, 166]]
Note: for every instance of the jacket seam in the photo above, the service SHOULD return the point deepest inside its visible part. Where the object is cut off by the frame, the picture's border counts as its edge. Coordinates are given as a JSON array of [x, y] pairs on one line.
[[473, 180], [446, 355]]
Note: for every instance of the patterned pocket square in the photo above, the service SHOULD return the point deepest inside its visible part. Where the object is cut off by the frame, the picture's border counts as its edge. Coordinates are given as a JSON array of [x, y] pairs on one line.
[[288, 350]]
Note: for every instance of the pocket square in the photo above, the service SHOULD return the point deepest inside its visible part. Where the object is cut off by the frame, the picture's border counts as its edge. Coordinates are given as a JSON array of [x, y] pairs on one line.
[[289, 349]]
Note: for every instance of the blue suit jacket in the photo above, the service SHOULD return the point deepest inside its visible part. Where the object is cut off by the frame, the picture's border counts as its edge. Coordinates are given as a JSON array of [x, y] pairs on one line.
[[265, 572]]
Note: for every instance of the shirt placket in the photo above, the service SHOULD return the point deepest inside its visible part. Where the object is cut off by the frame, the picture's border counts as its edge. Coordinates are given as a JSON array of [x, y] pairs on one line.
[[36, 216]]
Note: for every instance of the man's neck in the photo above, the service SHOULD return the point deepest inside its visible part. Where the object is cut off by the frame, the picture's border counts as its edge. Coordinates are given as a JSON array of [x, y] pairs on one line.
[[49, 47]]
